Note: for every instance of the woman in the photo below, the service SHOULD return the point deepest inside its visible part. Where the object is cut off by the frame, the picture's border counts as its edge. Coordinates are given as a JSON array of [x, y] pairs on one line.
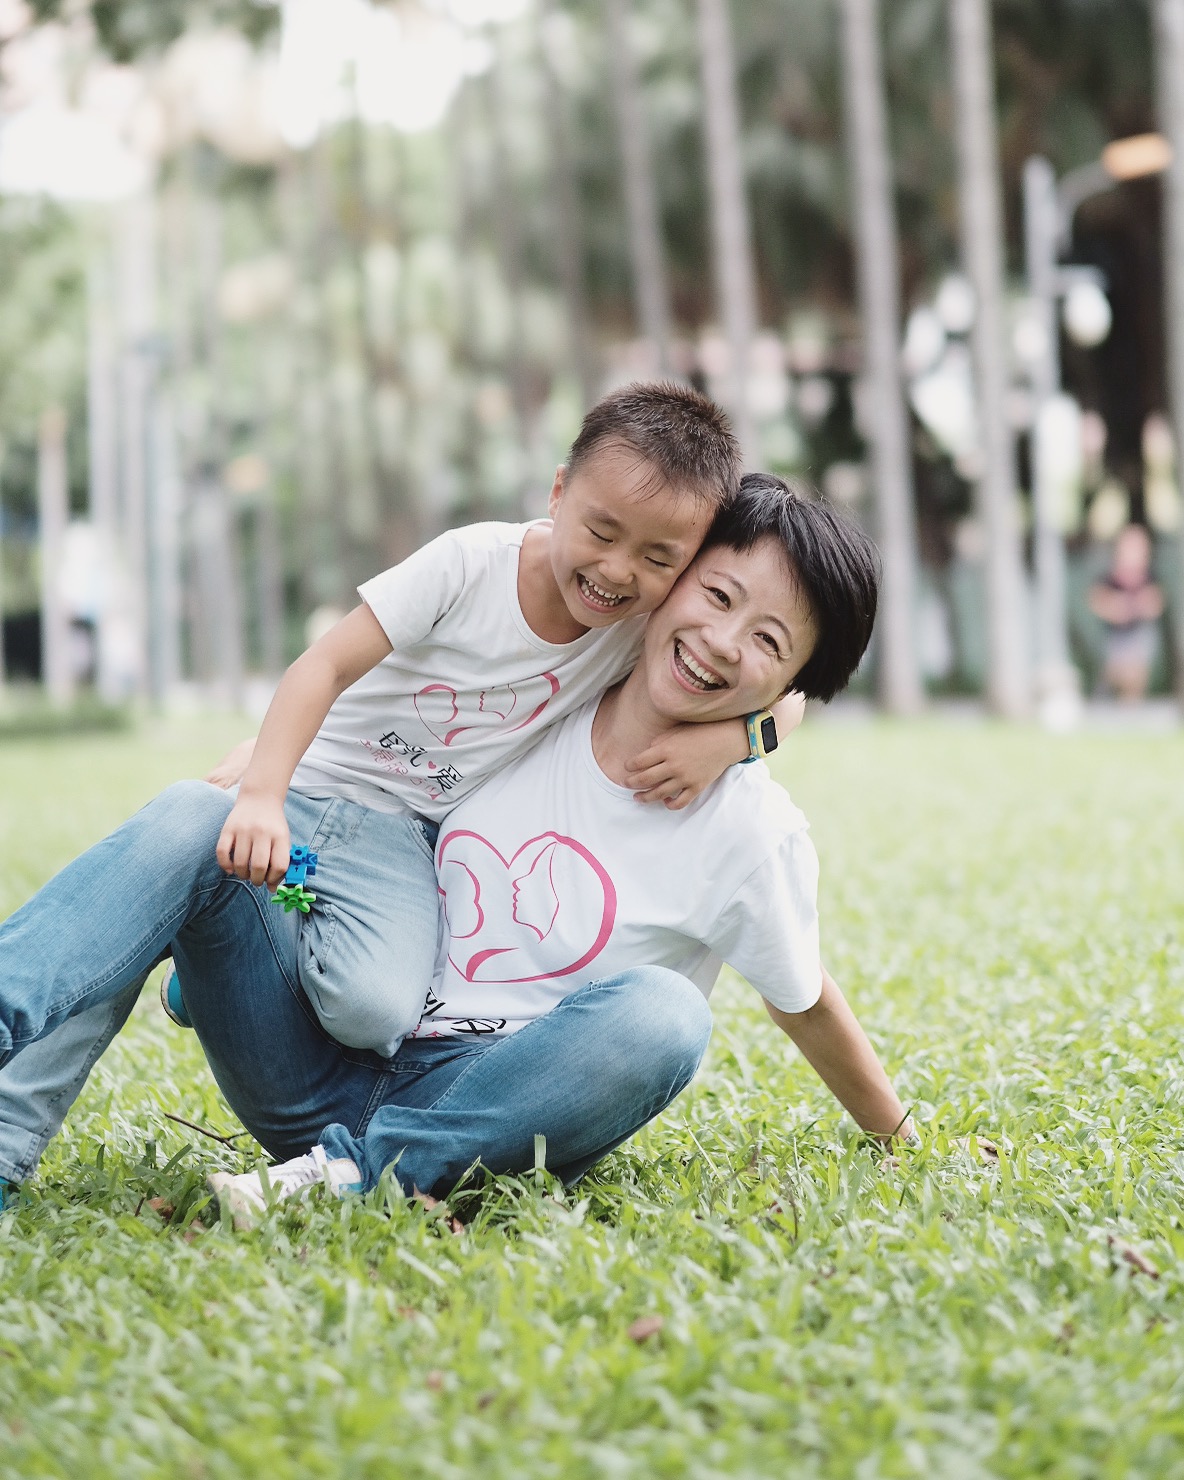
[[583, 931]]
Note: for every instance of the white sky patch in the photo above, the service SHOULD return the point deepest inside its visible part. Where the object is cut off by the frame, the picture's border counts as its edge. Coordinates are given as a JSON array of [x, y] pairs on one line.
[[49, 150], [405, 66], [100, 137]]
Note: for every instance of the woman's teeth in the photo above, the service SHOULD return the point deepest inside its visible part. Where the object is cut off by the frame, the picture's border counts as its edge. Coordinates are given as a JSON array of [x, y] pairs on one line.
[[597, 594], [693, 671]]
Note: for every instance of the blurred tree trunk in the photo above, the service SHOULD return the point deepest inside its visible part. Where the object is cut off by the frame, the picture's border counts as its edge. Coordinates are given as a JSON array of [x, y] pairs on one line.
[[3, 666], [1169, 38], [472, 503], [566, 216], [508, 231], [730, 227], [136, 298], [982, 250], [102, 429], [399, 515], [52, 513], [651, 290], [216, 610], [323, 469], [874, 216], [356, 495]]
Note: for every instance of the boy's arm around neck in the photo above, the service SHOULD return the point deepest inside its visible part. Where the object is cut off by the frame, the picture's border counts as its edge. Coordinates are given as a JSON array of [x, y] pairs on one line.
[[686, 760]]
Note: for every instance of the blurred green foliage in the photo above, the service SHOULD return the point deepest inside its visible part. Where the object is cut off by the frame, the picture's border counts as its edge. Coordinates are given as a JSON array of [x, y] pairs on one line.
[[418, 369]]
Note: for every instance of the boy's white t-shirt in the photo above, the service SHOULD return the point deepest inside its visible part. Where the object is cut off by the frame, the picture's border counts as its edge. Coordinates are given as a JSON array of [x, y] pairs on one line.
[[552, 876], [468, 686]]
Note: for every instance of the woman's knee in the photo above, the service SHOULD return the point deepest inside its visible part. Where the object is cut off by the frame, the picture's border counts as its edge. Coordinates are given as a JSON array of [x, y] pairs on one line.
[[194, 802], [668, 1018], [189, 813]]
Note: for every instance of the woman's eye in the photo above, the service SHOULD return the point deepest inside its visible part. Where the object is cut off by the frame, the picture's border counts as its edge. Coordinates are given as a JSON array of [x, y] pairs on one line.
[[770, 643], [720, 596]]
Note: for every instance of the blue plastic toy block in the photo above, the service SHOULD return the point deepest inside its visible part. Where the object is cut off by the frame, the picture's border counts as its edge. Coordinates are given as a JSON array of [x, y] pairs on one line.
[[293, 893]]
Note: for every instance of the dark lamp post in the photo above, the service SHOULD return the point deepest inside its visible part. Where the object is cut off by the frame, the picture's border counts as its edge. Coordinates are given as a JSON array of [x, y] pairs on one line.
[[1049, 208]]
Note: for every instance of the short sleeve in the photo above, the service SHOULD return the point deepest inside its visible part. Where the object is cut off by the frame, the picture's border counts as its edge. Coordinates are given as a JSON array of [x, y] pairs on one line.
[[410, 598], [768, 930]]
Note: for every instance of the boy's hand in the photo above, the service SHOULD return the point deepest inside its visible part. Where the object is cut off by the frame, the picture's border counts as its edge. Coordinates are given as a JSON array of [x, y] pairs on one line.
[[685, 761], [254, 843], [230, 769]]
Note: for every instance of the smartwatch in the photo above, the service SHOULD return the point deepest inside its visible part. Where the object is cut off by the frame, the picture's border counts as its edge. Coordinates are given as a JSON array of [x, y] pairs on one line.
[[762, 736]]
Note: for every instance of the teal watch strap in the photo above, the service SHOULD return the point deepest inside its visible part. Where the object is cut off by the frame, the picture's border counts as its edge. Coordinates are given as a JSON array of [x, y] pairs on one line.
[[762, 735]]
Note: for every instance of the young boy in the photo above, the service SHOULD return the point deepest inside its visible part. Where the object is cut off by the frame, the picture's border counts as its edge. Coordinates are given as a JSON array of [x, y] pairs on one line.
[[454, 664]]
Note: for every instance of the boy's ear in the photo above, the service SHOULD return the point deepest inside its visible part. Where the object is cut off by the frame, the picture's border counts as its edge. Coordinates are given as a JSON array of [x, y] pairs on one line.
[[556, 490]]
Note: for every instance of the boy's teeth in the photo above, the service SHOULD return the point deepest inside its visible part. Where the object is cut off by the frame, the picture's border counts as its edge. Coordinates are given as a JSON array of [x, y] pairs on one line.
[[708, 679], [600, 593]]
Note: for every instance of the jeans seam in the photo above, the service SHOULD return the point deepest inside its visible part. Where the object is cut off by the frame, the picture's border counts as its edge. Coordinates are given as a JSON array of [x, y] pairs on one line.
[[28, 1163], [123, 962], [443, 1100], [375, 1101]]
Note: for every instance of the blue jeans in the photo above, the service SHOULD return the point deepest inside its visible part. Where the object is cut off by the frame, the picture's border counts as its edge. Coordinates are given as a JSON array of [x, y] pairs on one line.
[[74, 957], [585, 1076]]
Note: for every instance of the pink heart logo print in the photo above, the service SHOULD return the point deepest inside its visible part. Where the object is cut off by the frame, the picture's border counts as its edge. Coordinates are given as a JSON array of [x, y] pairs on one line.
[[448, 714], [548, 911]]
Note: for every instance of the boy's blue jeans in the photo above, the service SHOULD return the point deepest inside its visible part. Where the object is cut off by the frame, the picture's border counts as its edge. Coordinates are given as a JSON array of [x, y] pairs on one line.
[[73, 958]]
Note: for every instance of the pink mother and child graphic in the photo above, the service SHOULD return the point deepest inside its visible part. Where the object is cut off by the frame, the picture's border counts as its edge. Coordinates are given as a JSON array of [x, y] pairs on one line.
[[447, 715], [545, 912]]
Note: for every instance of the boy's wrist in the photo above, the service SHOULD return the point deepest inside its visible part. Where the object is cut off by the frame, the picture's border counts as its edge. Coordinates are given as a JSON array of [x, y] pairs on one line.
[[261, 791]]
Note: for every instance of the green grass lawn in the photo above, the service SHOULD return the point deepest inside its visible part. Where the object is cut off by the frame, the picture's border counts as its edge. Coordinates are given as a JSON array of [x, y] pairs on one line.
[[1003, 908]]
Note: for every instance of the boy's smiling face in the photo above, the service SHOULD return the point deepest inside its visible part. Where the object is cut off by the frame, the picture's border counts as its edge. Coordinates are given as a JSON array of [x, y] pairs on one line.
[[620, 537]]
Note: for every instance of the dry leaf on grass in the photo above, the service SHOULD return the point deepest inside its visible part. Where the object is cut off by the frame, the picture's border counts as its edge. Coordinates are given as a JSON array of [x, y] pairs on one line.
[[1139, 1263], [645, 1327]]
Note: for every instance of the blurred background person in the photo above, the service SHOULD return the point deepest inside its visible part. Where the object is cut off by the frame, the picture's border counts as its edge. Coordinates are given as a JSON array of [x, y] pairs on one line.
[[1130, 604]]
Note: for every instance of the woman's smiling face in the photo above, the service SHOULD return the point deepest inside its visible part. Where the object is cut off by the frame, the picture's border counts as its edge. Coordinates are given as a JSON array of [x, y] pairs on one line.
[[731, 636]]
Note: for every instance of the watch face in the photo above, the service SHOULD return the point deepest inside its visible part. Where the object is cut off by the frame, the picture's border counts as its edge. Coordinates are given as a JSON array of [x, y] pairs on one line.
[[768, 734]]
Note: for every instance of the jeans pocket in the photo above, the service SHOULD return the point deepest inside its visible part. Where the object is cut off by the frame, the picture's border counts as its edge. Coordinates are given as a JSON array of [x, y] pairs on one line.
[[426, 833], [317, 931]]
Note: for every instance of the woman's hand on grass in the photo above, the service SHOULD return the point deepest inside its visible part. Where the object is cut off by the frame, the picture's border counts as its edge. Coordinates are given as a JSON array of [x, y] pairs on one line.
[[254, 843]]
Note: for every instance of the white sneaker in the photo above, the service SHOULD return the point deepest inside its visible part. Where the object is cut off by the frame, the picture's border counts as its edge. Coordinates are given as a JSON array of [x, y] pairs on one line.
[[247, 1195]]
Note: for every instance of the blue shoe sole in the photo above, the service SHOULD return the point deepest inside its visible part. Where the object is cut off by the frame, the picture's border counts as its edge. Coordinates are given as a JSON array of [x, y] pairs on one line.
[[171, 1000]]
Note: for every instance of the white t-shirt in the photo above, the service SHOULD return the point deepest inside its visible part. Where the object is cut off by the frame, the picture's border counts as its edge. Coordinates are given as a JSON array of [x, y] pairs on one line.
[[552, 876], [468, 686]]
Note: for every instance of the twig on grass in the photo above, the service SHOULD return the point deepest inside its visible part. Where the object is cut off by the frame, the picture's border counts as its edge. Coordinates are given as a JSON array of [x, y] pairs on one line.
[[204, 1130]]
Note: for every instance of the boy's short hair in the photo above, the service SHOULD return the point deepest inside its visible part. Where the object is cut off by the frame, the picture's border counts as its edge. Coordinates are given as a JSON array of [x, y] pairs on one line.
[[835, 564], [683, 435]]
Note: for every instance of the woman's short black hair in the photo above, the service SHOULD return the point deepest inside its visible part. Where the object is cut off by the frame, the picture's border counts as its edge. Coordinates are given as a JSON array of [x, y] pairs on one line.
[[835, 564]]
